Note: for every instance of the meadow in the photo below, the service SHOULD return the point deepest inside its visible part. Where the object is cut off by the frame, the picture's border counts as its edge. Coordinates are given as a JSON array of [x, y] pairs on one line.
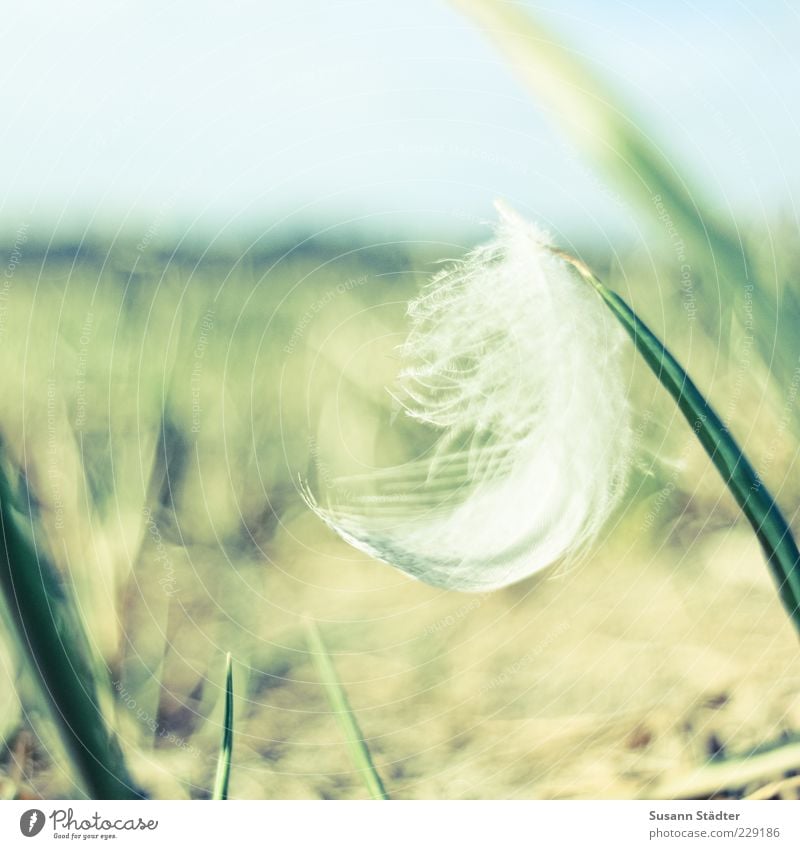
[[160, 411]]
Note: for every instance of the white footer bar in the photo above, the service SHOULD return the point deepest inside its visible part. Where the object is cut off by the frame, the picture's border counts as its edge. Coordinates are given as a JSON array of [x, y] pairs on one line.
[[404, 825]]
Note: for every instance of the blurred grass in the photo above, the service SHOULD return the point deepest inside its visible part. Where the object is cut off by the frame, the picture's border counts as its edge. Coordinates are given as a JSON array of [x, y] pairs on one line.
[[50, 637], [357, 746], [163, 407], [715, 266]]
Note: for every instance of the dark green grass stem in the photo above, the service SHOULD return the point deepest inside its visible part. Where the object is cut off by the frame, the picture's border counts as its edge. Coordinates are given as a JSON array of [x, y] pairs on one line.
[[226, 748], [750, 492], [356, 746], [51, 635]]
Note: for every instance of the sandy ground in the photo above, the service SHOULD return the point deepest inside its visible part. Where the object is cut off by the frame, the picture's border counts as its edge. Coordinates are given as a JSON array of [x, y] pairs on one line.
[[617, 678]]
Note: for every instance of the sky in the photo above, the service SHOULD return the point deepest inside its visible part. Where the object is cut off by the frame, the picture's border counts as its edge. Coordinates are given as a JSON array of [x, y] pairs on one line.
[[239, 115]]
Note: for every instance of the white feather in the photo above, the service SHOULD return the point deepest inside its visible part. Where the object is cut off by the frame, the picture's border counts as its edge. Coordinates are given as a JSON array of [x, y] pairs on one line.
[[516, 362]]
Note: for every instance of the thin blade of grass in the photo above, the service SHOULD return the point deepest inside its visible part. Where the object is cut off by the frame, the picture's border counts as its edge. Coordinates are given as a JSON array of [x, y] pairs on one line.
[[356, 746], [51, 635], [226, 748], [750, 492]]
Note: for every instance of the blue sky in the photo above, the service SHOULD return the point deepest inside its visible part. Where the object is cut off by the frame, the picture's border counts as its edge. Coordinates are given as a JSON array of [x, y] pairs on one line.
[[399, 116]]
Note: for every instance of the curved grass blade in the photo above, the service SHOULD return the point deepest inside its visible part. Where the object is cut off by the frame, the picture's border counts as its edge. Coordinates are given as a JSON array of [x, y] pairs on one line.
[[52, 636], [226, 749], [610, 134], [750, 492], [359, 752]]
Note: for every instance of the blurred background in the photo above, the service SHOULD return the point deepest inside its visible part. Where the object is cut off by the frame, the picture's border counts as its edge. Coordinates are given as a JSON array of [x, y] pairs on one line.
[[212, 218]]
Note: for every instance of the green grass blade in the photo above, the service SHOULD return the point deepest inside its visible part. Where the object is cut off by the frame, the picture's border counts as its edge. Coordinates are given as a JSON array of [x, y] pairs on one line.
[[750, 492], [614, 139], [51, 635], [226, 749], [359, 752]]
